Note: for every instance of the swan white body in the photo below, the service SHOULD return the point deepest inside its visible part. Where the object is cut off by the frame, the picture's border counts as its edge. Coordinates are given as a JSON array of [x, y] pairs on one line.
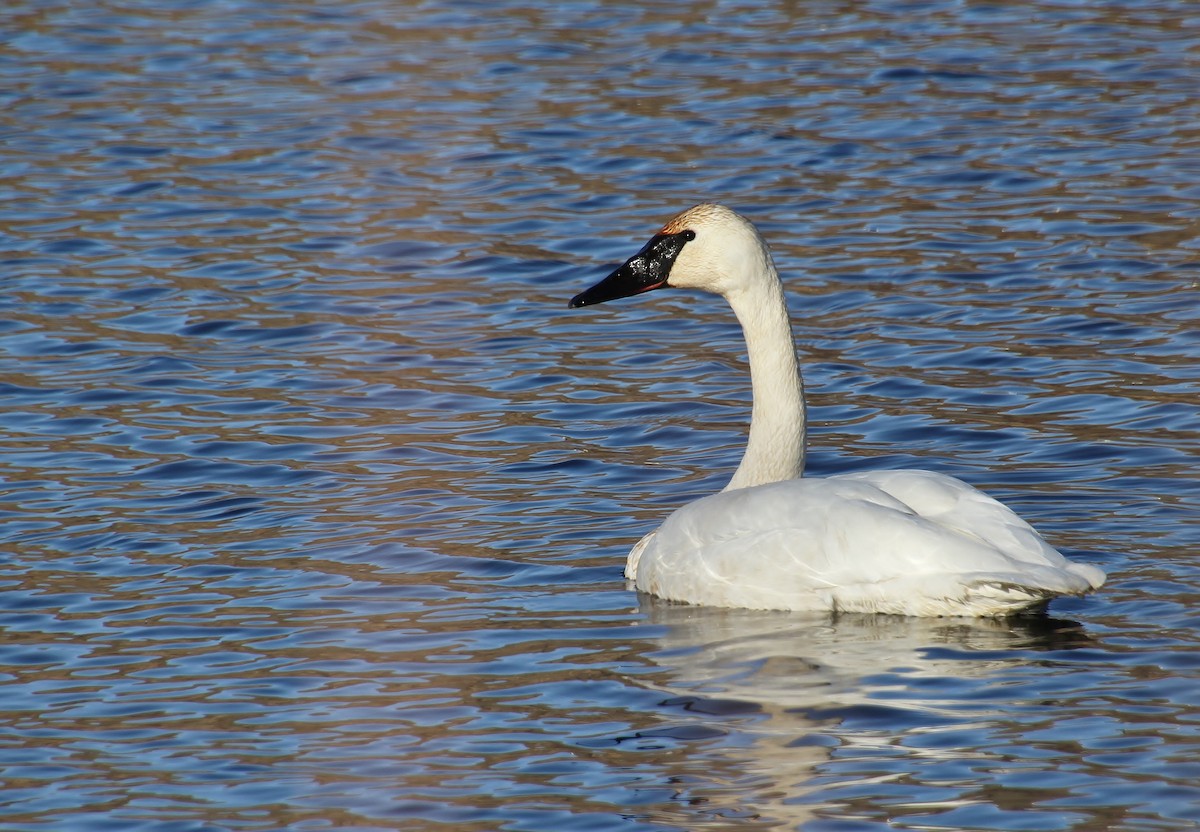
[[903, 542]]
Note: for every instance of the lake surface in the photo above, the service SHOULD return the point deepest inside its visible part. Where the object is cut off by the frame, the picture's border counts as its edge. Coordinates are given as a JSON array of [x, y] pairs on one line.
[[314, 497]]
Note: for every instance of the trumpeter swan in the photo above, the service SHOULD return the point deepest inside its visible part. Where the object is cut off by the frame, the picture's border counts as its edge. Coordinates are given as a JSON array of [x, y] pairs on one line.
[[892, 541]]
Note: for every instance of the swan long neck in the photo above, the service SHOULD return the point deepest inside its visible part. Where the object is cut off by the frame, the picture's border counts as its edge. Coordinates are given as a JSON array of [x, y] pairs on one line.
[[775, 447]]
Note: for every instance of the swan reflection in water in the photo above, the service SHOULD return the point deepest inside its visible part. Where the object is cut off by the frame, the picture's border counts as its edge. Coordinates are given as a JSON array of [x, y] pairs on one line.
[[784, 694]]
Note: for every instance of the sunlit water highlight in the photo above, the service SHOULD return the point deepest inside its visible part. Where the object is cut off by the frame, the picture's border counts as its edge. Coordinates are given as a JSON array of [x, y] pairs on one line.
[[315, 497]]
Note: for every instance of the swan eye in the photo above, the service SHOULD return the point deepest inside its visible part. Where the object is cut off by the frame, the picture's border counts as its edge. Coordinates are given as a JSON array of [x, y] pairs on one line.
[[688, 235]]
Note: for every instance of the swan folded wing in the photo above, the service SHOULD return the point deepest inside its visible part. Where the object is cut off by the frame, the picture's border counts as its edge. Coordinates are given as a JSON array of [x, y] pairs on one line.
[[968, 511], [847, 543]]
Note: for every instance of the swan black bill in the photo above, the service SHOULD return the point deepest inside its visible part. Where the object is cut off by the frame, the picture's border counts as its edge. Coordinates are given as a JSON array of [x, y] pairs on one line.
[[646, 270]]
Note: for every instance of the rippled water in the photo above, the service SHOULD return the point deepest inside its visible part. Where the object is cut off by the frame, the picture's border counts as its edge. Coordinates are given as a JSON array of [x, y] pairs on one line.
[[315, 497]]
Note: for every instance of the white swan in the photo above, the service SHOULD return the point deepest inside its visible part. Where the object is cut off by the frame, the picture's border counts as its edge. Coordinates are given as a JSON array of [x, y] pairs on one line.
[[904, 542]]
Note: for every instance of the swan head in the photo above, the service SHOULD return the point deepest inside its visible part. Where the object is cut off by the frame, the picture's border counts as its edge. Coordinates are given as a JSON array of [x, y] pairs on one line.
[[707, 247]]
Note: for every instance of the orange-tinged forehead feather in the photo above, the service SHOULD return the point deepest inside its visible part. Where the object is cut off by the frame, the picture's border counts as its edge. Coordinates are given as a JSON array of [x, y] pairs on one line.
[[692, 216]]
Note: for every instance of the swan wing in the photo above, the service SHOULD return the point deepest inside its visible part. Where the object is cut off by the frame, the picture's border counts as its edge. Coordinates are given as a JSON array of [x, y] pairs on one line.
[[959, 507], [900, 542]]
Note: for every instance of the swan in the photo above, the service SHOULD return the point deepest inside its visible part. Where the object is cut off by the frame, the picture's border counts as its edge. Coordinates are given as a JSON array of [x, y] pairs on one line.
[[903, 542]]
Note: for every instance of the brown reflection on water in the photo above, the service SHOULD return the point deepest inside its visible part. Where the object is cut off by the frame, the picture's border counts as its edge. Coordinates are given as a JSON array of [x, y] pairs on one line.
[[315, 496]]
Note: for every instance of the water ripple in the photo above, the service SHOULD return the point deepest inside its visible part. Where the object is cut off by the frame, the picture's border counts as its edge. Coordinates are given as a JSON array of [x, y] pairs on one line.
[[315, 498]]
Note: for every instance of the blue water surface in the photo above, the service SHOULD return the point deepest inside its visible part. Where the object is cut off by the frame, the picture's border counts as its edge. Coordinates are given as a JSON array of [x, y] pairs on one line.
[[315, 498]]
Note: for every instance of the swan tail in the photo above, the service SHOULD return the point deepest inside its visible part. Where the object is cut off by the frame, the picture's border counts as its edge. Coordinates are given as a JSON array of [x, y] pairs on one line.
[[982, 595], [1003, 596]]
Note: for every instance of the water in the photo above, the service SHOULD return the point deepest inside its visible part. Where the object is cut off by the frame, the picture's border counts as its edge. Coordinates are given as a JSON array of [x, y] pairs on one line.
[[315, 497]]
